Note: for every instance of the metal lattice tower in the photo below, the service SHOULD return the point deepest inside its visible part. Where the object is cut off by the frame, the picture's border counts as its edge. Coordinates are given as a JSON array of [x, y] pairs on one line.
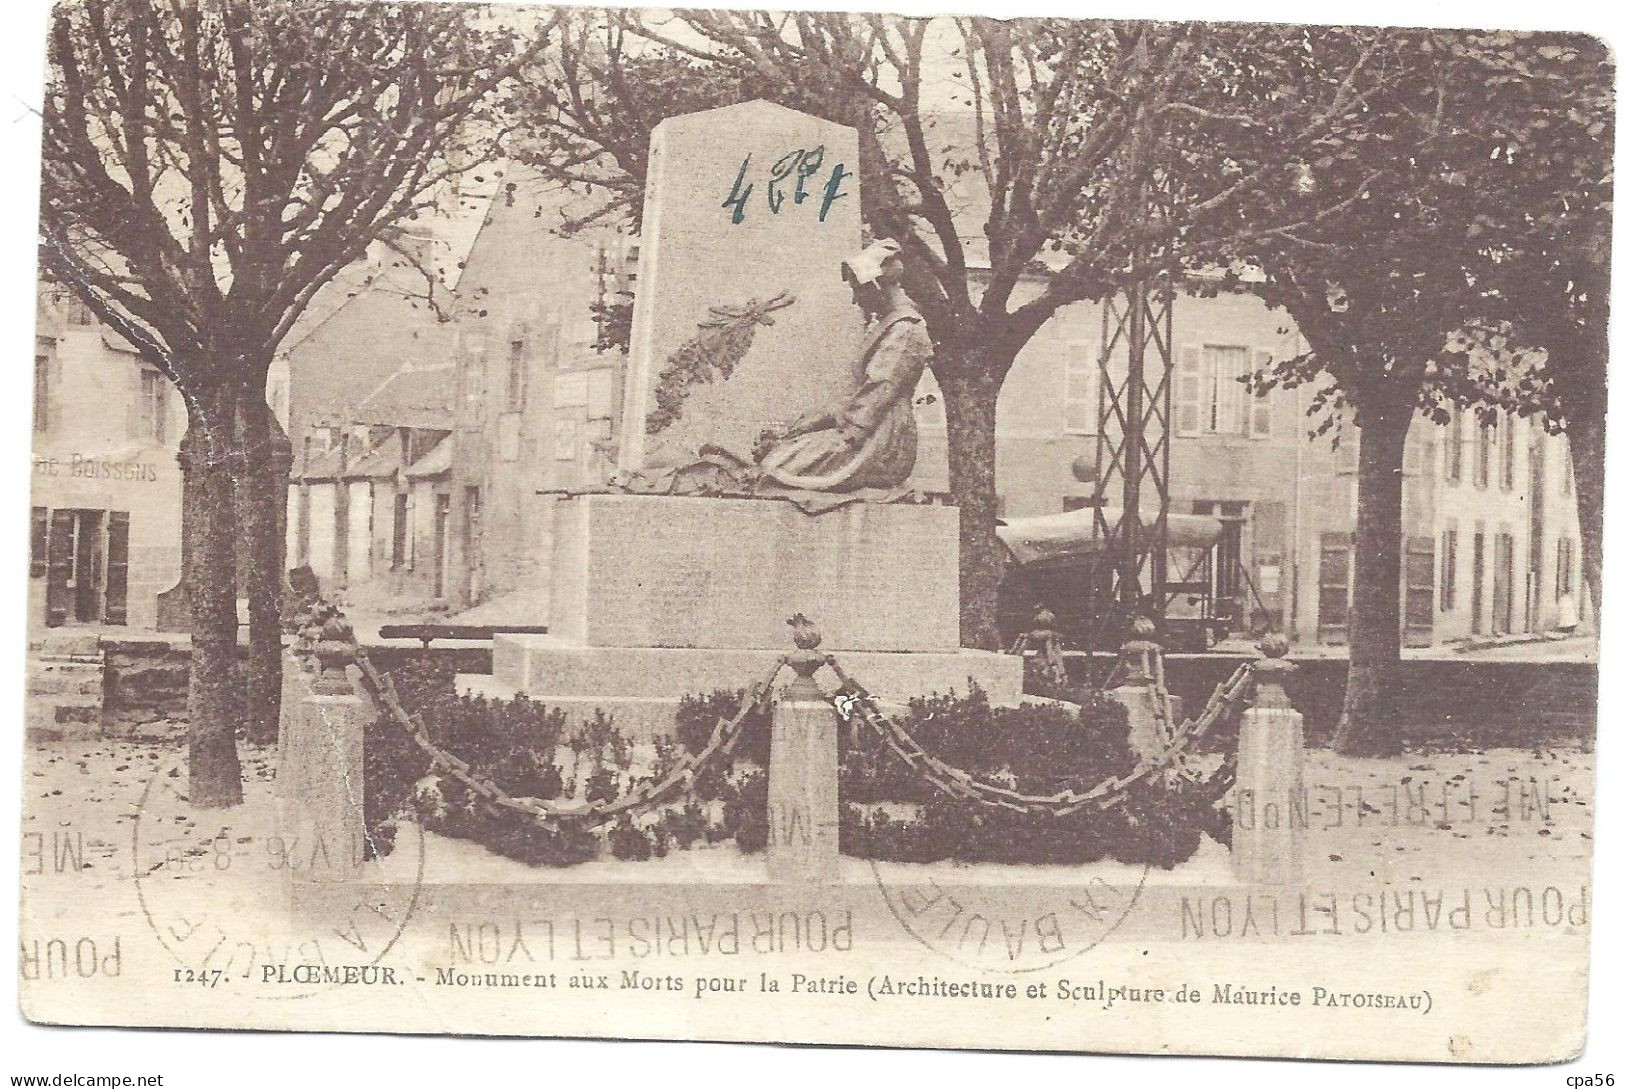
[[1134, 427]]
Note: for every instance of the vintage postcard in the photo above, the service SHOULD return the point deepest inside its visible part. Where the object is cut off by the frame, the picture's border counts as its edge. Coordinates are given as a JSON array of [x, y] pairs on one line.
[[816, 527]]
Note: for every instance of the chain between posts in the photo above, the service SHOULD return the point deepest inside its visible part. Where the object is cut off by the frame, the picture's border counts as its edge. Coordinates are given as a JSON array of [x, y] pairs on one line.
[[851, 700], [856, 701], [327, 639], [680, 780]]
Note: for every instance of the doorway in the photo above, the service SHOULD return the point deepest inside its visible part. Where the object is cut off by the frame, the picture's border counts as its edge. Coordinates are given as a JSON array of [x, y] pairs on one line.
[[442, 534], [85, 564], [472, 554]]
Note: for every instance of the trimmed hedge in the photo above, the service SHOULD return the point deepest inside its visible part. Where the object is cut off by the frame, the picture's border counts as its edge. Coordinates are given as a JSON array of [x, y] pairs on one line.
[[527, 749], [888, 811]]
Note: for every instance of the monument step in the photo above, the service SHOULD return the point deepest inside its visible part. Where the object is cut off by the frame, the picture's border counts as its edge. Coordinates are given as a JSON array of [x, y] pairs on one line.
[[537, 664]]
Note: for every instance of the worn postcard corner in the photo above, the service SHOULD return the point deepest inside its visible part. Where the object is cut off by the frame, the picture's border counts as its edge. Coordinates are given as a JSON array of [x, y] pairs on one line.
[[1039, 534]]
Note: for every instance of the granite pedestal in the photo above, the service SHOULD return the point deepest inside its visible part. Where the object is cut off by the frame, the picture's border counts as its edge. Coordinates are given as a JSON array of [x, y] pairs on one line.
[[657, 597], [676, 571]]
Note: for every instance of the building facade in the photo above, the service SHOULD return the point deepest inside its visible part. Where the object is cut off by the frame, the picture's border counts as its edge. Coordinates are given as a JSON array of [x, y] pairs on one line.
[[537, 393], [1490, 526], [105, 517]]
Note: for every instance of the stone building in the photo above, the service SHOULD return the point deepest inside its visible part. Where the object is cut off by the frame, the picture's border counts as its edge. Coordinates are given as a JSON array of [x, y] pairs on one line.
[[367, 513], [536, 397], [105, 518], [1507, 529], [435, 433], [1286, 499]]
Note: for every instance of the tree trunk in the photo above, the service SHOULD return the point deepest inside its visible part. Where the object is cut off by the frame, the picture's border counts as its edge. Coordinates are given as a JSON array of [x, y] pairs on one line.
[[970, 396], [1370, 723], [214, 699], [262, 502], [1585, 435], [1579, 374]]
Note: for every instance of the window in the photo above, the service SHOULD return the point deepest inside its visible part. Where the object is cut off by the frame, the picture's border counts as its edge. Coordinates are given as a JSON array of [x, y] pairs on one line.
[[1418, 456], [1334, 587], [398, 530], [78, 312], [38, 539], [1565, 566], [42, 391], [1447, 569], [1259, 421], [471, 363], [566, 439], [1509, 454], [1082, 365], [442, 542], [1568, 467], [1212, 398], [516, 373], [154, 403], [302, 522], [1501, 586], [1452, 448], [1484, 455], [1477, 602], [1537, 465], [473, 555], [1418, 591]]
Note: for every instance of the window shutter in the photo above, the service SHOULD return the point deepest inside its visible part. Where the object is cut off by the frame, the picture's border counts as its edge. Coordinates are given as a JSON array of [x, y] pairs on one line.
[[1188, 412], [160, 411], [1260, 421], [59, 559], [135, 405], [1335, 582], [1418, 590], [39, 535], [53, 385], [1509, 454], [118, 568]]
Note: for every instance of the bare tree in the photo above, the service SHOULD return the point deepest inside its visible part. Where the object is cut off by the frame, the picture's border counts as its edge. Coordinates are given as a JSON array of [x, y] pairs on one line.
[[209, 165]]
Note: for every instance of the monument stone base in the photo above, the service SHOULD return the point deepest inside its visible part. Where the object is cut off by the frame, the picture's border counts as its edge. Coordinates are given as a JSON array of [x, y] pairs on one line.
[[690, 571], [660, 597]]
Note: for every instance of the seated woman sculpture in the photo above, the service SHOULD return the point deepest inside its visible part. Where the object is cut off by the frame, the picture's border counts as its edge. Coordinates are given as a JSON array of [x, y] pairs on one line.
[[867, 439], [860, 447]]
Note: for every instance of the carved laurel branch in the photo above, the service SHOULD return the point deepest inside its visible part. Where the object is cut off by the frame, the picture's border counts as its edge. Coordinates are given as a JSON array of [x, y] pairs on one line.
[[716, 348]]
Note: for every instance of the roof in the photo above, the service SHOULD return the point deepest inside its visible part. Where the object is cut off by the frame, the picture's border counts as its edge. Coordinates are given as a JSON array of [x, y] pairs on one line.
[[382, 460], [435, 462], [414, 396], [323, 465], [1077, 532]]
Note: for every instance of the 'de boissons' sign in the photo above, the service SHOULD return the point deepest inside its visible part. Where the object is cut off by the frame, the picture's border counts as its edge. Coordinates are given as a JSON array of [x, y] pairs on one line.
[[791, 178]]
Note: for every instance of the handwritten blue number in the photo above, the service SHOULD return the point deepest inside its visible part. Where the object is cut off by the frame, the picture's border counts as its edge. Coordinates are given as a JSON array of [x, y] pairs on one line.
[[832, 189], [737, 197]]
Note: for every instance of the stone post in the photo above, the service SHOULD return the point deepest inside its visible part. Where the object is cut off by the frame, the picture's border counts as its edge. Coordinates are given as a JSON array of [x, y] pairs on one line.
[[1266, 845], [294, 685], [803, 801], [1134, 689], [320, 781]]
